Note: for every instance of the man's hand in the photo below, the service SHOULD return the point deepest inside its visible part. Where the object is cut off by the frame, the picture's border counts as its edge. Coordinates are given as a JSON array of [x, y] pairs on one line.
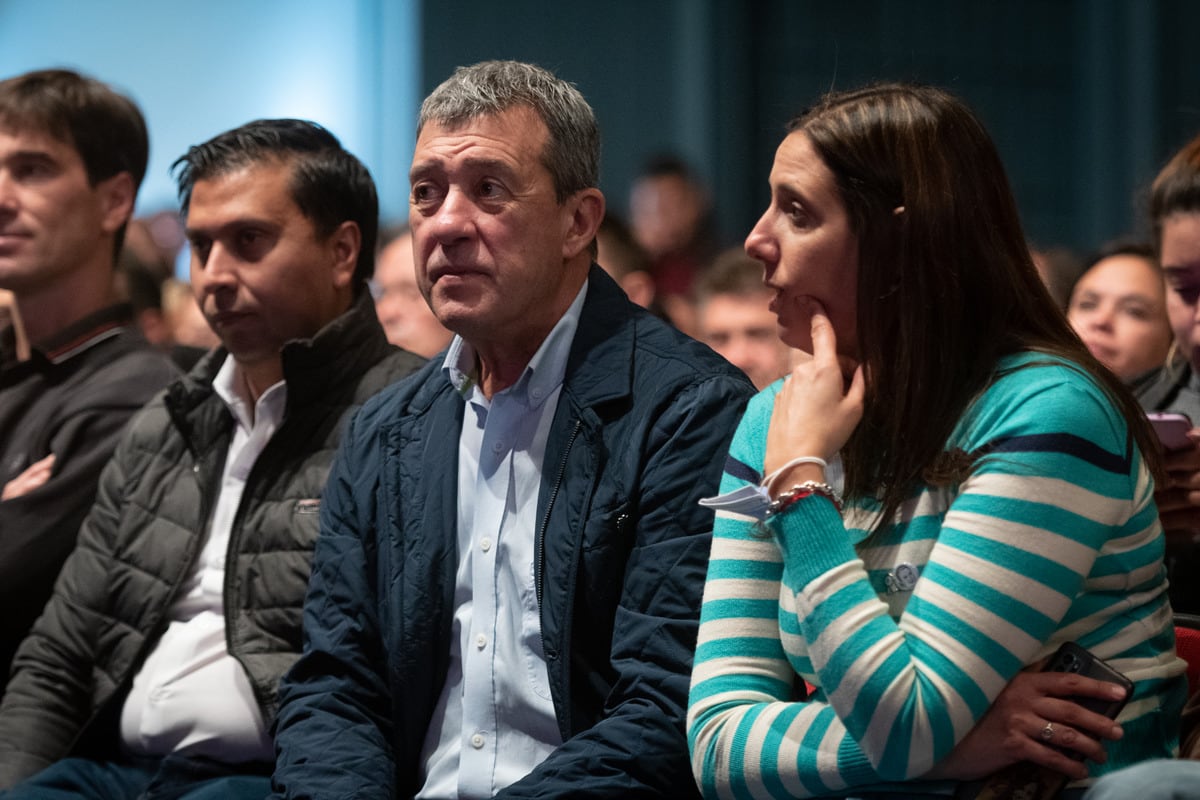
[[34, 476]]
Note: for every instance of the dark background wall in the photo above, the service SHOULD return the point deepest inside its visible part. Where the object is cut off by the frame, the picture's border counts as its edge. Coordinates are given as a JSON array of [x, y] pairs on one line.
[[1085, 98]]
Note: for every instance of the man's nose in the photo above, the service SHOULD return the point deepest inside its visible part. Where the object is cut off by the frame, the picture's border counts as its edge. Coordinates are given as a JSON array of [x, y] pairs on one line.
[[8, 194], [213, 270], [453, 219]]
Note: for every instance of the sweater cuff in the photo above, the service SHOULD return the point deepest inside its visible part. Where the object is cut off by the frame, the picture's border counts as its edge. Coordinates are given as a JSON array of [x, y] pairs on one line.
[[812, 538]]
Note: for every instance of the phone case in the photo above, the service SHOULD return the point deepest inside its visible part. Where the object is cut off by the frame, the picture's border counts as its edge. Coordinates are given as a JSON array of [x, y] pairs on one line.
[[1070, 657], [1171, 429]]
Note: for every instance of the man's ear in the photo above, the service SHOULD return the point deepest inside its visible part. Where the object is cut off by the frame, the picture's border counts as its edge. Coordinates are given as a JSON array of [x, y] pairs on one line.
[[586, 211], [117, 195], [345, 243]]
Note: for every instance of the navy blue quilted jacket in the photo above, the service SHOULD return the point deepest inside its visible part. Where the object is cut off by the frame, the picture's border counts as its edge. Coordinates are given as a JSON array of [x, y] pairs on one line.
[[640, 434]]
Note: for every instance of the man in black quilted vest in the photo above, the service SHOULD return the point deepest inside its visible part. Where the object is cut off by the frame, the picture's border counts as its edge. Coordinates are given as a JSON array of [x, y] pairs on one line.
[[72, 155], [153, 671]]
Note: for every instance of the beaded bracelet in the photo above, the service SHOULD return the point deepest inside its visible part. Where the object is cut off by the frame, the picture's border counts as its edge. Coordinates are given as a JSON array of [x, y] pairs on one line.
[[799, 492]]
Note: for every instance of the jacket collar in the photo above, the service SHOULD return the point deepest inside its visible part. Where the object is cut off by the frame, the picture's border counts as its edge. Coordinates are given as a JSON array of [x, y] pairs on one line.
[[77, 337], [600, 367], [334, 357]]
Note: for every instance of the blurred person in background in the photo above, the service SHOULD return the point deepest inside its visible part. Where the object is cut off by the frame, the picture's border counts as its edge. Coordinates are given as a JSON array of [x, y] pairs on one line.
[[141, 286], [184, 318], [670, 214], [1118, 308], [733, 313], [1175, 219], [402, 310], [1058, 268], [626, 262]]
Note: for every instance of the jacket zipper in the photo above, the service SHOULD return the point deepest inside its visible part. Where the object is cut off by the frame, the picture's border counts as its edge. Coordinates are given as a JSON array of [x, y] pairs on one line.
[[561, 710], [233, 549], [539, 544]]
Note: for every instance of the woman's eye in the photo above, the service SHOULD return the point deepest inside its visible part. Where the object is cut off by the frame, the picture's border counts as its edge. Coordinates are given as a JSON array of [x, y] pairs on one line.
[[1138, 313], [797, 214]]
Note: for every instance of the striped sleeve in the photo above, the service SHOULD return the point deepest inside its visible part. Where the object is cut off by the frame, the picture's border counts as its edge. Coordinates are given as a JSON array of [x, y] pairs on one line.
[[1009, 554]]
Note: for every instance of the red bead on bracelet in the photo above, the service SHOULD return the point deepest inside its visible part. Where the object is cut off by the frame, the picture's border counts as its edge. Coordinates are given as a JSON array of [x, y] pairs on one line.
[[799, 492]]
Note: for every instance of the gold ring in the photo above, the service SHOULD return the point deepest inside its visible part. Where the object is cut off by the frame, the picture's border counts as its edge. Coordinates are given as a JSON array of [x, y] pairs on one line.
[[1047, 733]]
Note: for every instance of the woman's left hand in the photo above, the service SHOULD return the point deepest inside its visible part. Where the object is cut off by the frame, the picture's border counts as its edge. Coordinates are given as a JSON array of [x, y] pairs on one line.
[[1033, 719], [817, 409]]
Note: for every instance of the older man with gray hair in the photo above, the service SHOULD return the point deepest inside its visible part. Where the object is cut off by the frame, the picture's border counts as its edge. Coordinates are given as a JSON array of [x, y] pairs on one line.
[[506, 588]]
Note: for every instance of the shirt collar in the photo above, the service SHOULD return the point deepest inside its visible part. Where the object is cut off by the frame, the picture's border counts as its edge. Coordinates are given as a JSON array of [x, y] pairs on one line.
[[541, 376], [91, 330], [230, 386]]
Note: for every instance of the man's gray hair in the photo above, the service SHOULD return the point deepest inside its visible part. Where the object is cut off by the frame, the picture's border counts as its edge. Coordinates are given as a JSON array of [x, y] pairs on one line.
[[572, 153]]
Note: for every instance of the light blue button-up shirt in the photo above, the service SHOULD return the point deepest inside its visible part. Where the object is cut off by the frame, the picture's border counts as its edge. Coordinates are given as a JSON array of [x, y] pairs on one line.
[[494, 721]]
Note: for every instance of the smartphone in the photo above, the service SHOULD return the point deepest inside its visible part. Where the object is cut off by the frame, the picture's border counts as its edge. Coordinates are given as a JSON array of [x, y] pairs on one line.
[[1073, 658], [1172, 429], [1028, 781]]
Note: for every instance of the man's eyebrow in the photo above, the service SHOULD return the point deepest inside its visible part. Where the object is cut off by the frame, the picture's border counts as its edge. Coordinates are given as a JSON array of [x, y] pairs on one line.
[[423, 168], [228, 225], [33, 155]]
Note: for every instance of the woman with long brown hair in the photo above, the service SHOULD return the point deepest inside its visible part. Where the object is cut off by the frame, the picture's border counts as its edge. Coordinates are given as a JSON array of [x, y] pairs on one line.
[[997, 493]]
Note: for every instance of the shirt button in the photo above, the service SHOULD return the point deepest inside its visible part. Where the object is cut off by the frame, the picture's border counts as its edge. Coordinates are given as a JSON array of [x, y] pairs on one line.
[[481, 641], [477, 741], [485, 544], [497, 447]]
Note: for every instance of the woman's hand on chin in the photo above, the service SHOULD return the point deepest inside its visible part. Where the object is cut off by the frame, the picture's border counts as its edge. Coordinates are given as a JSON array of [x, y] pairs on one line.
[[817, 409]]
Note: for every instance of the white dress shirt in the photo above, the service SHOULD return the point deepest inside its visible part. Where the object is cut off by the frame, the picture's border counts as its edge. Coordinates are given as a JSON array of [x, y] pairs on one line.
[[494, 721], [191, 695]]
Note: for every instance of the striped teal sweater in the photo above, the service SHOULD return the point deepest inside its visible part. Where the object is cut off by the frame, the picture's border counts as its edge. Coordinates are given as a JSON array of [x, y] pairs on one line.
[[1053, 536]]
